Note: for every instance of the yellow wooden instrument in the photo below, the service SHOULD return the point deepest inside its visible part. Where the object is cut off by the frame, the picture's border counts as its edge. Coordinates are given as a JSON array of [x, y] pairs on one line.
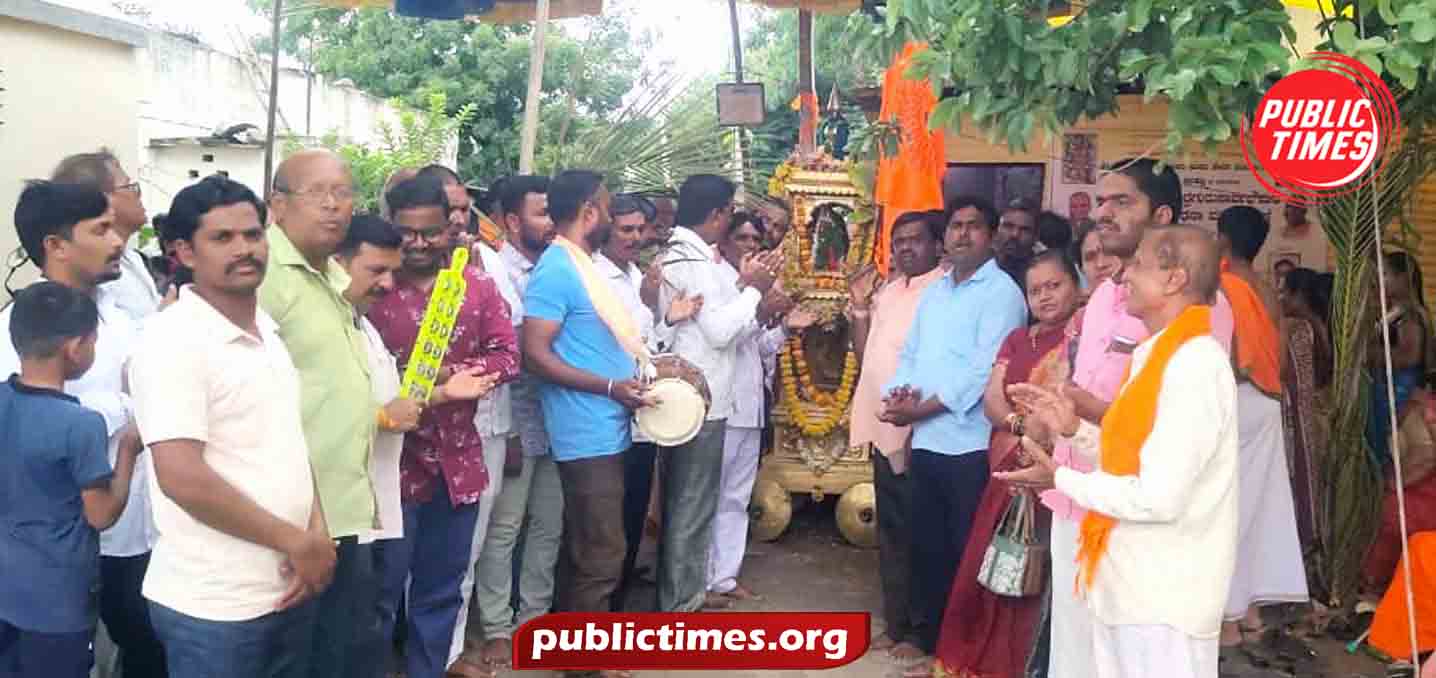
[[435, 331]]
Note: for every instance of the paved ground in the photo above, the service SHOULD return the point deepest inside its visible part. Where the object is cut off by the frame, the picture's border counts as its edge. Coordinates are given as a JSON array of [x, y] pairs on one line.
[[811, 568]]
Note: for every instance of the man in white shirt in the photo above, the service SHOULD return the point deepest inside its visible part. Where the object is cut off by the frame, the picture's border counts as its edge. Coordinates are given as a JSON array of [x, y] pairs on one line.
[[86, 254], [531, 499], [692, 471], [616, 261], [1160, 535], [134, 292], [244, 551]]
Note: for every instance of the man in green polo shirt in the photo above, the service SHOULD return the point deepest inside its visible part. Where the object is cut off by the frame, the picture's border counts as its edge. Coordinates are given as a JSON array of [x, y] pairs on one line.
[[303, 291]]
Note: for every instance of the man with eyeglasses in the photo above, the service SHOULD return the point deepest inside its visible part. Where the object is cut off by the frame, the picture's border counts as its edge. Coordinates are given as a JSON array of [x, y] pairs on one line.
[[125, 547], [450, 470], [134, 292], [303, 291]]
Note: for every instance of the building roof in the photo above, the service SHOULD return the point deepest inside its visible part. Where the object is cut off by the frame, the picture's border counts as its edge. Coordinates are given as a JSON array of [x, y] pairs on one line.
[[74, 20]]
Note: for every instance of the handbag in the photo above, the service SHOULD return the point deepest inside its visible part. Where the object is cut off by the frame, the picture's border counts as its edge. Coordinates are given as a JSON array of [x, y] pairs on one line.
[[1014, 564]]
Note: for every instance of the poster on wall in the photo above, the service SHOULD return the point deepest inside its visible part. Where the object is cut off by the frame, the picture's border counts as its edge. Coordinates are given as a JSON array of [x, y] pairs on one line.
[[1295, 239], [1075, 183]]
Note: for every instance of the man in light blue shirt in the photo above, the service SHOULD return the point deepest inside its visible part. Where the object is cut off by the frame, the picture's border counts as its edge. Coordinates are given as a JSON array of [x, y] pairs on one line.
[[942, 371], [587, 389]]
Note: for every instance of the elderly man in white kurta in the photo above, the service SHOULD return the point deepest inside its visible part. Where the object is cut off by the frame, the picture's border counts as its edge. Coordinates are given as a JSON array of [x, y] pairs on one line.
[[1158, 545]]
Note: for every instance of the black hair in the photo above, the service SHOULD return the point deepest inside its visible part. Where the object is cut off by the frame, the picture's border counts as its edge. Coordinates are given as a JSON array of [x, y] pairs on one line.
[[369, 229], [989, 214], [513, 190], [1054, 231], [650, 210], [1056, 255], [1161, 188], [196, 200], [47, 314], [1246, 227], [421, 191], [1023, 205], [494, 197], [624, 204], [930, 218], [1402, 263], [568, 192], [47, 208], [740, 218], [441, 173], [95, 170], [699, 195]]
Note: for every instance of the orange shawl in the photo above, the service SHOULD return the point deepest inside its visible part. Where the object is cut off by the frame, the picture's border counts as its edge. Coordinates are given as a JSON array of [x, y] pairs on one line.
[[1257, 344], [912, 179], [1127, 424]]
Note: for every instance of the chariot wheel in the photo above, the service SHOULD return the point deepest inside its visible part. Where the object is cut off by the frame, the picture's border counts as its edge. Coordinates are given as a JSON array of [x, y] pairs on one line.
[[857, 515], [770, 510]]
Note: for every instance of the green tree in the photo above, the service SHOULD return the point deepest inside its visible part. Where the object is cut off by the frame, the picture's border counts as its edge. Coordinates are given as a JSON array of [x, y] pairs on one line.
[[472, 64], [1009, 71]]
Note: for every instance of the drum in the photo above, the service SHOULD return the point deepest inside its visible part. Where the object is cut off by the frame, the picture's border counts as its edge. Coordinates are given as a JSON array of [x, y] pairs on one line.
[[683, 401]]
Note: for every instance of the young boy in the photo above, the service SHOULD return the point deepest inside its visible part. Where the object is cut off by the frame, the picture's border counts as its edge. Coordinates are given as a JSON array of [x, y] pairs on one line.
[[57, 490]]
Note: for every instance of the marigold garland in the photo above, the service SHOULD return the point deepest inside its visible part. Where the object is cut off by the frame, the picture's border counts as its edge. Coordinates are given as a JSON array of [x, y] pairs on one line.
[[834, 405]]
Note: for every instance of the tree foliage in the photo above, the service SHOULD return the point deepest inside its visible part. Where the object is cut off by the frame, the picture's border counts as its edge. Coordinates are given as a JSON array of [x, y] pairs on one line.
[[472, 64]]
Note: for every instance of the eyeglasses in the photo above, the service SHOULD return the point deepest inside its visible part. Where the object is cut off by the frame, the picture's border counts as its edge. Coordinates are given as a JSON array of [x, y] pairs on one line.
[[430, 234], [132, 187], [338, 193]]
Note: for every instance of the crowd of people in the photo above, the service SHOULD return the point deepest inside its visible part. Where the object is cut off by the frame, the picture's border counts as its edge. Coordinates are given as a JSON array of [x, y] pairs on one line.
[[218, 458]]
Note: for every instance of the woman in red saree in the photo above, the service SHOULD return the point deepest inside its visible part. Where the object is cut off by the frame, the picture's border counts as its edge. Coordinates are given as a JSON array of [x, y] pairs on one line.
[[985, 635]]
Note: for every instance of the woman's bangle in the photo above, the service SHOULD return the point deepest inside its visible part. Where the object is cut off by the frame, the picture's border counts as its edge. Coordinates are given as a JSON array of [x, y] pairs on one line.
[[610, 388], [385, 422]]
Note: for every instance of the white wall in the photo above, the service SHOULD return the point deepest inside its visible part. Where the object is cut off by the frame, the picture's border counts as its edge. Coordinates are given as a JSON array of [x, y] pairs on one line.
[[66, 92]]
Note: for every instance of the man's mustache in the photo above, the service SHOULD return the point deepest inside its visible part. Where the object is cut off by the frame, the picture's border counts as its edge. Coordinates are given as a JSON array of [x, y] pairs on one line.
[[247, 261]]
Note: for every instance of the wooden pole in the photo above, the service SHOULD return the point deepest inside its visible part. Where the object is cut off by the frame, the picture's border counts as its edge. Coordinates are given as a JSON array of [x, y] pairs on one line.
[[808, 138], [738, 135], [273, 102], [737, 41], [531, 102]]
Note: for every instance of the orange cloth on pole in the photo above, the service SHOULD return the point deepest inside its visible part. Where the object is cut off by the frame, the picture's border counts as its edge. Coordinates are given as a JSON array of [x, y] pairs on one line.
[[911, 180], [1127, 424], [490, 233], [1389, 632], [1257, 344]]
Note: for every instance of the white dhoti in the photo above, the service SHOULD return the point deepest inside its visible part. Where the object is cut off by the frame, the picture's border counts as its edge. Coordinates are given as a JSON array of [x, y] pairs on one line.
[[741, 448], [1070, 655], [1150, 651], [1269, 564], [494, 451]]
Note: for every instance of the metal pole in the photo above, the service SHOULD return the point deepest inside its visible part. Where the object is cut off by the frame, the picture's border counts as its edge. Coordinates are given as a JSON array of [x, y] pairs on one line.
[[531, 102], [808, 134], [273, 102]]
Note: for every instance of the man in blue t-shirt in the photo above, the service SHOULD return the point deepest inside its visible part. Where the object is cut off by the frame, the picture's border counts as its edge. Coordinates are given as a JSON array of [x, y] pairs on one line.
[[57, 490], [587, 390]]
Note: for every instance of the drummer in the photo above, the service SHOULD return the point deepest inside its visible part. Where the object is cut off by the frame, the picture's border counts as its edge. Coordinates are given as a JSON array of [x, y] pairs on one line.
[[691, 474], [579, 342], [617, 261]]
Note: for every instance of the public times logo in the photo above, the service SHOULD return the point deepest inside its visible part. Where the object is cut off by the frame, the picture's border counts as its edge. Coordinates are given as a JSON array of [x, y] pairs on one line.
[[1322, 132]]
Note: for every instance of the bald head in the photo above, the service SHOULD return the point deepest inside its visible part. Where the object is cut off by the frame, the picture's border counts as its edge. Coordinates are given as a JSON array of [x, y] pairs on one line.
[[292, 172], [1193, 251], [313, 201]]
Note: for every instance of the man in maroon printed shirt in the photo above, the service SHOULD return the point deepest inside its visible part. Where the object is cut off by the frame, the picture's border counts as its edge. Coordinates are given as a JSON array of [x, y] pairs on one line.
[[442, 467]]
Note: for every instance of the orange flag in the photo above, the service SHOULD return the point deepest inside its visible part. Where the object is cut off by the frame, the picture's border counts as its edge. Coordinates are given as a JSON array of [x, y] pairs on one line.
[[911, 180]]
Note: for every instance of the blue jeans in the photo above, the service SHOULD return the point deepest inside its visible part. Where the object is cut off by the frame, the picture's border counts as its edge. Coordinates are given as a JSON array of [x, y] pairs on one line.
[[273, 646], [433, 557], [28, 654]]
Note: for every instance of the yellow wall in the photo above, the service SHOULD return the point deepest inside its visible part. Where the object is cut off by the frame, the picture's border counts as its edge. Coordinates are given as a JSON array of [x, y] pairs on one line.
[[66, 92]]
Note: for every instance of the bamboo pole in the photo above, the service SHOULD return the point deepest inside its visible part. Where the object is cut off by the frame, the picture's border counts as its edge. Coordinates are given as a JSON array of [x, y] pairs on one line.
[[531, 101], [808, 140]]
